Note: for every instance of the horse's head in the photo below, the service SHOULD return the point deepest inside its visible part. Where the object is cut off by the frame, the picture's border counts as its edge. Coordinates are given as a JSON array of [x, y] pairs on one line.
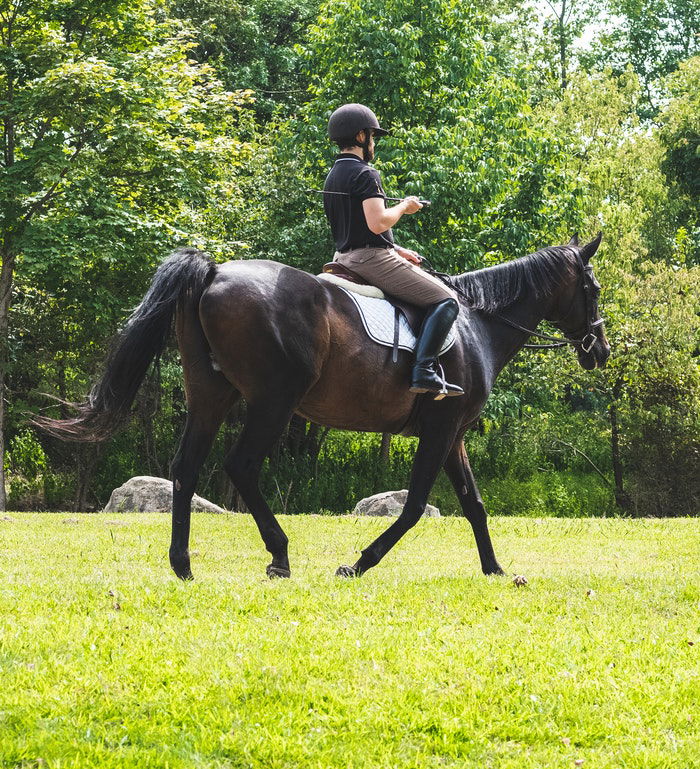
[[575, 312]]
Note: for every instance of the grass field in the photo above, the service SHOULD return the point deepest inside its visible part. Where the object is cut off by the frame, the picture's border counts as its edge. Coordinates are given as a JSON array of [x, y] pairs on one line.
[[107, 660]]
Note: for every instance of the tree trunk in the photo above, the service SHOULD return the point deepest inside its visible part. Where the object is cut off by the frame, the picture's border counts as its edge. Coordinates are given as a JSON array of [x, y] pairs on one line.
[[384, 448], [6, 275], [621, 496], [149, 408], [296, 435], [226, 489], [88, 457], [10, 217], [562, 46]]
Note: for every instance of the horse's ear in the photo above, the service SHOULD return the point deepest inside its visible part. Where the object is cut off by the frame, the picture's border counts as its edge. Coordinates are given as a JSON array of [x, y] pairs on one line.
[[589, 249], [574, 240]]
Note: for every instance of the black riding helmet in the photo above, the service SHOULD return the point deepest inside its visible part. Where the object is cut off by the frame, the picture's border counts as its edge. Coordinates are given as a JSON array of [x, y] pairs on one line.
[[347, 121]]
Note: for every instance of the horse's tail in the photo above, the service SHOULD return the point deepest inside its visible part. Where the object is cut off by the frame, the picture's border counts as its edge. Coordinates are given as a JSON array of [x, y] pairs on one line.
[[183, 276]]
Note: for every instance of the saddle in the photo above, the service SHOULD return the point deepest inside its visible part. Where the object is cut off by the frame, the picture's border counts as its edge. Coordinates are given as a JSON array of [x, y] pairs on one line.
[[413, 315]]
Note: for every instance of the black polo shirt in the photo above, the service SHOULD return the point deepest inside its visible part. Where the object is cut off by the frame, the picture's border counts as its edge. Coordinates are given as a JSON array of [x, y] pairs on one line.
[[345, 213]]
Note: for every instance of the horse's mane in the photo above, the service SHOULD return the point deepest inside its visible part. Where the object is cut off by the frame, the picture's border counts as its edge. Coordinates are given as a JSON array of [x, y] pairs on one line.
[[493, 288]]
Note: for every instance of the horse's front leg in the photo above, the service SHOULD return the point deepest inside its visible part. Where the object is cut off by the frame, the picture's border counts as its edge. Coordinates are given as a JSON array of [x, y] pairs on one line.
[[462, 478], [430, 455]]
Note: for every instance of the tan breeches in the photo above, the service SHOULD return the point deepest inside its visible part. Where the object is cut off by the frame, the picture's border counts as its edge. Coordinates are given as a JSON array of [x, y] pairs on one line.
[[384, 268]]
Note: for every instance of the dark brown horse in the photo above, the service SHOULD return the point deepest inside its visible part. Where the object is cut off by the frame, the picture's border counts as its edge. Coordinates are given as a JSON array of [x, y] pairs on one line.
[[288, 342]]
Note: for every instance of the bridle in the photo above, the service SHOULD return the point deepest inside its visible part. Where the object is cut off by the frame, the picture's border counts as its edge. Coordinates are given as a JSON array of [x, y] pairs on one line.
[[587, 338]]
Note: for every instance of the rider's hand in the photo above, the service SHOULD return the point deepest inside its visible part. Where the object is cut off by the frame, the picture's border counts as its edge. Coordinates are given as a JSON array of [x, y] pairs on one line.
[[411, 204], [409, 254]]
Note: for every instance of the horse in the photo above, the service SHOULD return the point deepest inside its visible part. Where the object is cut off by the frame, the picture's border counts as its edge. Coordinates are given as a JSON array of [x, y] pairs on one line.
[[289, 342]]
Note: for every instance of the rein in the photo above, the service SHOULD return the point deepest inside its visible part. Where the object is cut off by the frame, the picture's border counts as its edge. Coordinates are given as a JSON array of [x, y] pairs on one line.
[[587, 340]]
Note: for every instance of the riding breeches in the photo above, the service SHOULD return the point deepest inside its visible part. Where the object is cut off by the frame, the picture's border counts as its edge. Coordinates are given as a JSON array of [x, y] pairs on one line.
[[384, 268]]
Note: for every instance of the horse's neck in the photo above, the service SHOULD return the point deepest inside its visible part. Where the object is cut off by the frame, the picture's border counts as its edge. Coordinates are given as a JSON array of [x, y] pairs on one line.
[[503, 342]]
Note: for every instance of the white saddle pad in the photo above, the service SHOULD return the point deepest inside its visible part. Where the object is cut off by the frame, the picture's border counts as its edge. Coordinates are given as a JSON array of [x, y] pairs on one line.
[[378, 319]]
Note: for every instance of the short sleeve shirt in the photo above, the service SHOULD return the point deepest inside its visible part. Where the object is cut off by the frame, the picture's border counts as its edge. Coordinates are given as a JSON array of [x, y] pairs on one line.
[[360, 181]]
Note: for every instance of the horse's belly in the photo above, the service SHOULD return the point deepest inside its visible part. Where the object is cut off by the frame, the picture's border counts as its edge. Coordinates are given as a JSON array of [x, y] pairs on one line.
[[360, 392]]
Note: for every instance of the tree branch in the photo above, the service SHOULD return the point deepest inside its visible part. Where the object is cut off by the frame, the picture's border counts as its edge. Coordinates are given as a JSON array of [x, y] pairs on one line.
[[554, 10], [586, 457], [50, 193]]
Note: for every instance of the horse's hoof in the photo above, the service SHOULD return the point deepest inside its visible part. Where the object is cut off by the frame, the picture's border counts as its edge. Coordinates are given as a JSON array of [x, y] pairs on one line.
[[347, 571], [181, 566], [275, 572]]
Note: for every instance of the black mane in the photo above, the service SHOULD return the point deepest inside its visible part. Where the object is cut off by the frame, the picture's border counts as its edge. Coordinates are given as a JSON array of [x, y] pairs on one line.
[[494, 288]]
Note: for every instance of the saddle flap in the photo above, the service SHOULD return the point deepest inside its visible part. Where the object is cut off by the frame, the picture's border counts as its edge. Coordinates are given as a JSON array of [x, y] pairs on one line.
[[414, 315], [382, 323]]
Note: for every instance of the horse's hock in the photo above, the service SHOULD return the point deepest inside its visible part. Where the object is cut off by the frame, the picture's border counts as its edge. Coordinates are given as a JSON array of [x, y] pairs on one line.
[[389, 503], [147, 494]]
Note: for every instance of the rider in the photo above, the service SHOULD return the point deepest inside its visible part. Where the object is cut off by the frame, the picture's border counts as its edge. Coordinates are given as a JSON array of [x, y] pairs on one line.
[[361, 226]]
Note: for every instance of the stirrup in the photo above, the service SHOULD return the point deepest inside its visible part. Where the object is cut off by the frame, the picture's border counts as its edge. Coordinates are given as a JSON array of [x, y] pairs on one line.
[[438, 389], [445, 390]]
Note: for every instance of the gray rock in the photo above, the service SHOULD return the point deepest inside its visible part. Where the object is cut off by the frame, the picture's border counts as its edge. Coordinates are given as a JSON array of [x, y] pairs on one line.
[[389, 503], [146, 494]]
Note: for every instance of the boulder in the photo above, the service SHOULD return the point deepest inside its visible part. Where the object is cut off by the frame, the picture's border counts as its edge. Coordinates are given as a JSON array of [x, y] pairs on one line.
[[389, 503], [146, 494]]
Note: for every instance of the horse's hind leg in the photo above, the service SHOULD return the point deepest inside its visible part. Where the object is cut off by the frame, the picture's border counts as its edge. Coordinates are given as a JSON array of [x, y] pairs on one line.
[[265, 423], [208, 402], [462, 478]]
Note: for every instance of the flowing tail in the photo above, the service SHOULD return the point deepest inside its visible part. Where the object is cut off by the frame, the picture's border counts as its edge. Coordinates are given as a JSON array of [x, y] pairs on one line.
[[182, 276]]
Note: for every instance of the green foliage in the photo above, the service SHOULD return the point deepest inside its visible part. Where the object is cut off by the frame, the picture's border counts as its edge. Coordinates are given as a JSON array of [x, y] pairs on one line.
[[114, 139], [651, 36], [655, 383], [253, 45], [346, 470], [680, 136], [132, 127], [558, 494], [462, 135]]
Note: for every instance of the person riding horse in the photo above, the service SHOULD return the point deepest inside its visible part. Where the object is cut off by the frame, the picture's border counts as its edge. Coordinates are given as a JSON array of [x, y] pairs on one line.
[[361, 226]]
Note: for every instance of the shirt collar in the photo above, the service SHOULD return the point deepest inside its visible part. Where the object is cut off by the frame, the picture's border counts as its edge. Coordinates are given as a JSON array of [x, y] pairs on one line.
[[348, 156]]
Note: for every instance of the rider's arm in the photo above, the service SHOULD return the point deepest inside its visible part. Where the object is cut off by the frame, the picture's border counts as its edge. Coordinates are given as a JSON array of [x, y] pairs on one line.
[[380, 219]]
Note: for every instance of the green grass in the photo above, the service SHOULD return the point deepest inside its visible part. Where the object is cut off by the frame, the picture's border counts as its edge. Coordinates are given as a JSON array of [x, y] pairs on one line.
[[106, 660]]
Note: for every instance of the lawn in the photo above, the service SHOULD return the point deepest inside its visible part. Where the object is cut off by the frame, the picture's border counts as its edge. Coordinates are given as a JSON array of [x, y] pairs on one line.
[[107, 660]]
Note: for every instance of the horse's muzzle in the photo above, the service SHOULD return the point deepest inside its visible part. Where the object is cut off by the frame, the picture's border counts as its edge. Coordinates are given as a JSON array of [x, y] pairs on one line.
[[595, 354]]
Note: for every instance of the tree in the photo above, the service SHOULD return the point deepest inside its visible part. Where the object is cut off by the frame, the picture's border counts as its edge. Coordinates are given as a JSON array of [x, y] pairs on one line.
[[651, 36], [564, 22], [461, 136], [109, 133], [680, 137], [253, 45], [654, 386], [650, 387]]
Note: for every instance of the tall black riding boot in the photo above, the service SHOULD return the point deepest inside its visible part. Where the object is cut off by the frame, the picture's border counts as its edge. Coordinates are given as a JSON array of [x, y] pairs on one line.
[[436, 326]]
